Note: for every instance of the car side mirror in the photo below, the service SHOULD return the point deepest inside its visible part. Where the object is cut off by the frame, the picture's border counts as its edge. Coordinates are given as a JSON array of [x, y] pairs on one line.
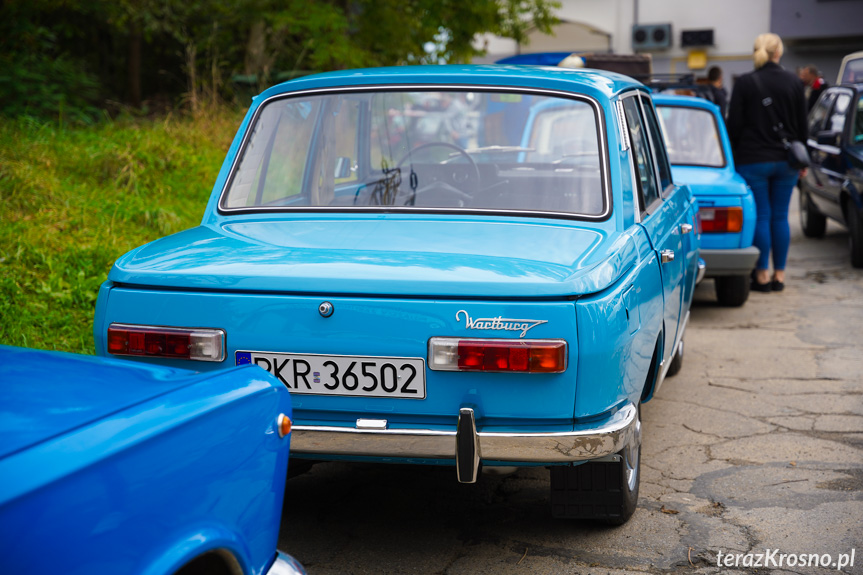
[[827, 138], [343, 168]]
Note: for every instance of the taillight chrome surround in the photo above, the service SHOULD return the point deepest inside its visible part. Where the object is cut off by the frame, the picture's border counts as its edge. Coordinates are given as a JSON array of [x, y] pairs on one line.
[[497, 355], [197, 344]]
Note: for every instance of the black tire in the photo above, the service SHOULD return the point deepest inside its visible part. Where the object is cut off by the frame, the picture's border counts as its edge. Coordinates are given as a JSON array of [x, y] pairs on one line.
[[813, 222], [605, 491], [732, 291], [855, 237], [676, 361]]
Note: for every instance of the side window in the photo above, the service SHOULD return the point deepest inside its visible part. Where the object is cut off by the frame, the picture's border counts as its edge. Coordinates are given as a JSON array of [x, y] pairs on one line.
[[647, 185], [839, 113], [657, 142], [818, 114], [857, 130]]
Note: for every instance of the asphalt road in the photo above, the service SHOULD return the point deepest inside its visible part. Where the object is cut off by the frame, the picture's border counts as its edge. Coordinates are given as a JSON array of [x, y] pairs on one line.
[[755, 446]]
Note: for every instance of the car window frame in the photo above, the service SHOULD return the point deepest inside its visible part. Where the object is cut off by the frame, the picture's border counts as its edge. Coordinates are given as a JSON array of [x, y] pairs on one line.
[[602, 138], [660, 153], [644, 208]]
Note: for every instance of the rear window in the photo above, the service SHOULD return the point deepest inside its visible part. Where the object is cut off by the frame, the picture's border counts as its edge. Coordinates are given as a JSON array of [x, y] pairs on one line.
[[478, 150], [691, 136]]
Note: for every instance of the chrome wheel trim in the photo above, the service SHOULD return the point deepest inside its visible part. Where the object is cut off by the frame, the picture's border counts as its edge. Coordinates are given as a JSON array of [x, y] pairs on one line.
[[631, 454]]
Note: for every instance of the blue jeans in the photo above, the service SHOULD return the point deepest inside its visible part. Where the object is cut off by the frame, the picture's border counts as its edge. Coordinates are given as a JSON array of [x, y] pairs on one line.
[[771, 184]]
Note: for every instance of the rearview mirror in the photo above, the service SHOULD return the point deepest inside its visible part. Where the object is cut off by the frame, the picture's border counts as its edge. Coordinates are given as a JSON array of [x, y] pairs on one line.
[[343, 168]]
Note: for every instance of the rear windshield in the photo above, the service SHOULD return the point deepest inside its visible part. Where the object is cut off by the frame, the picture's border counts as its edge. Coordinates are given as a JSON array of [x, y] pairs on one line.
[[422, 149], [691, 136]]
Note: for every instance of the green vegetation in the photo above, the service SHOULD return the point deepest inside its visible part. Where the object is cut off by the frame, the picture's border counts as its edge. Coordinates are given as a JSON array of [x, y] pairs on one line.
[[72, 200], [71, 58]]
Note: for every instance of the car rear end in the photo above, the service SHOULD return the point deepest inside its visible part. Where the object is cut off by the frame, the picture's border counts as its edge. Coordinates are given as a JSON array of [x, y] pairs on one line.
[[700, 154]]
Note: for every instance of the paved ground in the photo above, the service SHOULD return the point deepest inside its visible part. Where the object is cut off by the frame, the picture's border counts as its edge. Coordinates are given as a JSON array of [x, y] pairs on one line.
[[756, 445]]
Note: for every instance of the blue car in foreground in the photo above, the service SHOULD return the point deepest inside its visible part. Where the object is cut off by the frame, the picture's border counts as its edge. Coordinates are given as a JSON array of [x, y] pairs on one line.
[[700, 155], [113, 467], [481, 267]]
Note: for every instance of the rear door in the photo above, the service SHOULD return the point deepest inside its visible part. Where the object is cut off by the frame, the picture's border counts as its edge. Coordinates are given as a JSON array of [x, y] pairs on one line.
[[665, 211], [827, 123]]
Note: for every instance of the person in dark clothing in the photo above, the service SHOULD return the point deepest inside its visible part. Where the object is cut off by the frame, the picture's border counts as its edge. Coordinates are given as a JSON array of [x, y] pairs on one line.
[[760, 154], [814, 84], [719, 95]]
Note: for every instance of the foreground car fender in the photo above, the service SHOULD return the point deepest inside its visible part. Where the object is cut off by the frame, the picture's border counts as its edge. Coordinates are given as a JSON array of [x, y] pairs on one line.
[[126, 468]]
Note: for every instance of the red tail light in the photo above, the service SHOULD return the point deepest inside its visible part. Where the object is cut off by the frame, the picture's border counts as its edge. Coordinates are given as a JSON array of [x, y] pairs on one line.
[[716, 220], [180, 343], [507, 355]]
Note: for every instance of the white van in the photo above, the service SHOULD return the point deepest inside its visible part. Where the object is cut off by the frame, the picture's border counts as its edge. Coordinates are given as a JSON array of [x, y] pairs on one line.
[[851, 70]]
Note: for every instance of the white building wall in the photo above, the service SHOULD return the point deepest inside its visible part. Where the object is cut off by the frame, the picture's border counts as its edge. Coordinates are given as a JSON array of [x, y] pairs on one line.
[[735, 25]]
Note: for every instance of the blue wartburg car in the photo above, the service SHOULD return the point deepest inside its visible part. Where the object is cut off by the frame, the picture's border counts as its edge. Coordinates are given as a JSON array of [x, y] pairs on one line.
[[107, 466], [481, 267], [700, 155]]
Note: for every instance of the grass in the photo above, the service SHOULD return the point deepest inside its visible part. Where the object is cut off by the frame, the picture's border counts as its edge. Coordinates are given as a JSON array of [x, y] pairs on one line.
[[73, 199]]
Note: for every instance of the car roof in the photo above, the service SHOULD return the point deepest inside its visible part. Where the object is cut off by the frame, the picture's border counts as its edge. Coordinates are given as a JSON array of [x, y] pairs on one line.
[[596, 83], [688, 101]]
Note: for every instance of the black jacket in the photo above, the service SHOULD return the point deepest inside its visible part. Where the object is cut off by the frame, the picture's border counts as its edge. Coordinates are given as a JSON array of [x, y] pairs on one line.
[[750, 123]]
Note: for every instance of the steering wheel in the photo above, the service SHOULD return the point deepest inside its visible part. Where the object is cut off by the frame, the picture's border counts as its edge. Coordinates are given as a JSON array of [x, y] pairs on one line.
[[441, 186]]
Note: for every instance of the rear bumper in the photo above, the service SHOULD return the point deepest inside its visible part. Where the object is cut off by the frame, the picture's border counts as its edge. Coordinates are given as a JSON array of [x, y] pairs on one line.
[[734, 262], [600, 439]]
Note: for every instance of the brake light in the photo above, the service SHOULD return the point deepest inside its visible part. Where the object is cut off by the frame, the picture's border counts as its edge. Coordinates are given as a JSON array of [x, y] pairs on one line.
[[180, 343], [715, 220], [497, 355]]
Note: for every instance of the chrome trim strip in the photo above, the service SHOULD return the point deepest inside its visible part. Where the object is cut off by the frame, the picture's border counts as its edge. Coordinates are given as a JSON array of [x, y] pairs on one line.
[[600, 128], [607, 438]]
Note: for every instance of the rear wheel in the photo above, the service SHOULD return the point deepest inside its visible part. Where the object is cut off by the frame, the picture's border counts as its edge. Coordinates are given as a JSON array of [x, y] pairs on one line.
[[855, 237], [605, 491], [732, 291], [814, 224]]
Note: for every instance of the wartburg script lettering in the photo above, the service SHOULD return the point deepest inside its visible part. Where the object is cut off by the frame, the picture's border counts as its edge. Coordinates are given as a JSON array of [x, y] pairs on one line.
[[499, 323]]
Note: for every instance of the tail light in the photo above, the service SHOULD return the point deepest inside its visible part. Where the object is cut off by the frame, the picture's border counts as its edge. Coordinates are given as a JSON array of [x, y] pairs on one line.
[[497, 355], [179, 343], [715, 220]]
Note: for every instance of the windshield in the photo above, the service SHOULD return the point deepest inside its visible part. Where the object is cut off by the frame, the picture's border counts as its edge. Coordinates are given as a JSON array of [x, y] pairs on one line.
[[691, 136], [422, 149]]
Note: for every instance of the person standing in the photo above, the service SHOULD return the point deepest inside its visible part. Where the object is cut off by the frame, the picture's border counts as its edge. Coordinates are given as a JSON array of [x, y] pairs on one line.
[[814, 84], [719, 95], [757, 135]]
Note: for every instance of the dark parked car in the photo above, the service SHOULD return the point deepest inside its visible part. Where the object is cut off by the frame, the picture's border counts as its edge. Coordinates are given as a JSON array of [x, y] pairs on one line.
[[833, 185], [110, 466]]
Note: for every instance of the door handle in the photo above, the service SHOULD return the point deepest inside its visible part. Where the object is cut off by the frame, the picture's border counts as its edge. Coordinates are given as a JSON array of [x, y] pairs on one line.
[[685, 228], [666, 256]]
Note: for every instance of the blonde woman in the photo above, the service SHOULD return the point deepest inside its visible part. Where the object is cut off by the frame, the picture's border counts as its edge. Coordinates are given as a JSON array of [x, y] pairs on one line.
[[767, 106]]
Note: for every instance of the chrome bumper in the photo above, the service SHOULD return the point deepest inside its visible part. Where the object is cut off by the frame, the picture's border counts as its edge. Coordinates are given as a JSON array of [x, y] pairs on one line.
[[466, 446], [285, 565]]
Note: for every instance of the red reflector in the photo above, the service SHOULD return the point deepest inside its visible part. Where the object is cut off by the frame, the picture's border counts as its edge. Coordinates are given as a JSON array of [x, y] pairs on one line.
[[719, 220], [511, 355]]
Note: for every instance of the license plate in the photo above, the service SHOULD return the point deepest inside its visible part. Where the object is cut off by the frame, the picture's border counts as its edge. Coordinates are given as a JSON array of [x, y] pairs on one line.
[[400, 377]]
